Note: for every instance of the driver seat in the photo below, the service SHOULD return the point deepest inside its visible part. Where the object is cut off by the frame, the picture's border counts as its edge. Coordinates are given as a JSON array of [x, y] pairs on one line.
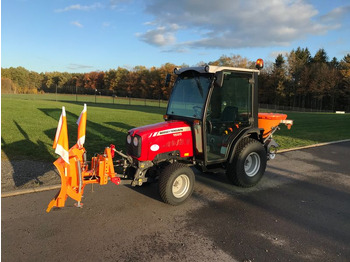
[[229, 114]]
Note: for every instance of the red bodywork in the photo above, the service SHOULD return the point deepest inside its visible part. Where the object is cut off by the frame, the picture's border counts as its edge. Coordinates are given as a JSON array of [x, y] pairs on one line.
[[164, 137]]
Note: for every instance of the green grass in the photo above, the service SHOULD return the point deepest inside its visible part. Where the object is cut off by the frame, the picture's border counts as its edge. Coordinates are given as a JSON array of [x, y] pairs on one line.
[[28, 125], [88, 99], [313, 128]]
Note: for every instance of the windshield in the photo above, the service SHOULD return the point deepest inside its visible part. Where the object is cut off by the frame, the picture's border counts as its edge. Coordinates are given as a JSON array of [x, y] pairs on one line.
[[189, 95]]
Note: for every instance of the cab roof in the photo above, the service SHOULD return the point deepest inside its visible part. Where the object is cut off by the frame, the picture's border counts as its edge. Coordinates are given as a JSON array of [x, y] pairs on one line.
[[213, 69]]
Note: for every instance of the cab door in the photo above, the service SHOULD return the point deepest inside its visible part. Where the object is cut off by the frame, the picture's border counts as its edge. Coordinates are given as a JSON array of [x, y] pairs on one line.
[[229, 111]]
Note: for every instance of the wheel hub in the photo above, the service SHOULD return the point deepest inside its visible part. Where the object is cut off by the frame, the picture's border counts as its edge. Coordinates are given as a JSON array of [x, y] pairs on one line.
[[252, 164], [180, 186]]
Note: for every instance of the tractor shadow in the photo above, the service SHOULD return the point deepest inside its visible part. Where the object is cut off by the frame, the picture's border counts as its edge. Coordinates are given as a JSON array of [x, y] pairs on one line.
[[149, 190], [20, 168], [17, 172], [97, 136]]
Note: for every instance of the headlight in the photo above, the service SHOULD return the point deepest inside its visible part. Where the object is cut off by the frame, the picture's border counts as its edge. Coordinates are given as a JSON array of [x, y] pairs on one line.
[[128, 139], [136, 141]]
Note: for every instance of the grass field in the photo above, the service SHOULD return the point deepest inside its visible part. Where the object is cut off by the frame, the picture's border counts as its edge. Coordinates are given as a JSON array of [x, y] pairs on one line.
[[28, 125], [89, 99]]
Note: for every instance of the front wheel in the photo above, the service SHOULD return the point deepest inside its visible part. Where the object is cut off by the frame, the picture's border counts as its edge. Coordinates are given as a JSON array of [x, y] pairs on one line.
[[176, 183], [249, 163]]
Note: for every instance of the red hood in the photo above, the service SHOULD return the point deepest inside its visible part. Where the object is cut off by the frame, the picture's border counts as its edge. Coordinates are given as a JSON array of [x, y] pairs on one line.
[[150, 130], [161, 140]]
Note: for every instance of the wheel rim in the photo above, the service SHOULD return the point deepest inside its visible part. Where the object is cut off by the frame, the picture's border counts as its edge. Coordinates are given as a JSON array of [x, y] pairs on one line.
[[252, 164], [180, 186]]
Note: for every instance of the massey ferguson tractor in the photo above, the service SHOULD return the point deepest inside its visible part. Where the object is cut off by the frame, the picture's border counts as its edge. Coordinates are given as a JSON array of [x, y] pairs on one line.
[[211, 123]]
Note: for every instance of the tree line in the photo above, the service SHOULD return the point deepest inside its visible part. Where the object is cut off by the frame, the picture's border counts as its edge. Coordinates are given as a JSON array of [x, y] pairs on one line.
[[139, 82], [296, 79], [302, 80]]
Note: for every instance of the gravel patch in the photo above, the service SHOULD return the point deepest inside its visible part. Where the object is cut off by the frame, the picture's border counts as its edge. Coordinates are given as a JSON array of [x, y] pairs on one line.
[[26, 174]]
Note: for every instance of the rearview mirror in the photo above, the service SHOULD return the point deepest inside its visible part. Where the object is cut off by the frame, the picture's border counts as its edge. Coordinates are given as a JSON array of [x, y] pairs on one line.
[[167, 80], [219, 78]]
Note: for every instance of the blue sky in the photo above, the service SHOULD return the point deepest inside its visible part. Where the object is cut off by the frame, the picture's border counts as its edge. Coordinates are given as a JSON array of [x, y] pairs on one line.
[[84, 36]]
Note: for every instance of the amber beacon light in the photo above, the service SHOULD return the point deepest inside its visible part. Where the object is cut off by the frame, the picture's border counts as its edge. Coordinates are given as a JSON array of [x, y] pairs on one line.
[[259, 64]]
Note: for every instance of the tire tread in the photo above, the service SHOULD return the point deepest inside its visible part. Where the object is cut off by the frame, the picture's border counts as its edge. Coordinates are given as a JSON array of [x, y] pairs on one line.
[[231, 172], [164, 179]]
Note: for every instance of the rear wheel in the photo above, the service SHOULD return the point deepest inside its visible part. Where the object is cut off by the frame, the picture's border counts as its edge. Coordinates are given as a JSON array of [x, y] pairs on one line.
[[249, 163], [176, 183]]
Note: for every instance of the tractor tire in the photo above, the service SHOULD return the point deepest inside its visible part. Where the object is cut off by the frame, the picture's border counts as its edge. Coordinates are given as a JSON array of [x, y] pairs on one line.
[[176, 183], [249, 163]]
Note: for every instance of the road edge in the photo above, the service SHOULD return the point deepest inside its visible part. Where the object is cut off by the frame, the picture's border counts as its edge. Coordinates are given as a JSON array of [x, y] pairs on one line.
[[47, 188], [29, 191], [314, 145]]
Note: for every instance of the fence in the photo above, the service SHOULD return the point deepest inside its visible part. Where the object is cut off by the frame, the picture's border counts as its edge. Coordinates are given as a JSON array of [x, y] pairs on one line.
[[269, 107], [104, 99], [97, 99]]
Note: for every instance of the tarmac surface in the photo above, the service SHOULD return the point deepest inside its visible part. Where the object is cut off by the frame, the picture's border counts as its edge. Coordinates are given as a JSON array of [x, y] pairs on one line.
[[300, 211]]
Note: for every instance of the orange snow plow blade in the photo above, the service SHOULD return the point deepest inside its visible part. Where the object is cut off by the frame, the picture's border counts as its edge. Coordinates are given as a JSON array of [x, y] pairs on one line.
[[270, 121], [76, 175]]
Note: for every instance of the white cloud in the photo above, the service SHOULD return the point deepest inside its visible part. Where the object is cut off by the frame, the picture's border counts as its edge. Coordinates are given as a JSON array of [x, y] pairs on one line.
[[150, 23], [176, 49], [232, 23], [115, 4], [160, 36], [336, 14], [78, 67], [77, 24], [80, 7]]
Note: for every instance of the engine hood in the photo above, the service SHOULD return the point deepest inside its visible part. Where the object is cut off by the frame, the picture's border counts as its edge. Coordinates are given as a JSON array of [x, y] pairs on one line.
[[163, 128], [161, 140]]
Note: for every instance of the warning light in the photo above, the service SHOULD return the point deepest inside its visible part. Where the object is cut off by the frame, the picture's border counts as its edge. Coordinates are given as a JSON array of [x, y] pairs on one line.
[[259, 63]]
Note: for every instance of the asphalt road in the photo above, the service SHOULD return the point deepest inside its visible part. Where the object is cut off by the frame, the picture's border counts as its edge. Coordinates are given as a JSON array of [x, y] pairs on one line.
[[300, 211]]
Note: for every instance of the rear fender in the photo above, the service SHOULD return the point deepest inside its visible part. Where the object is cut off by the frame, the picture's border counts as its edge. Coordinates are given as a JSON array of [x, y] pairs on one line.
[[255, 133]]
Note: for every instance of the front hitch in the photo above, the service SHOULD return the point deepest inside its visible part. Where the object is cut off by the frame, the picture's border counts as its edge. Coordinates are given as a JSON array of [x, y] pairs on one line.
[[76, 175]]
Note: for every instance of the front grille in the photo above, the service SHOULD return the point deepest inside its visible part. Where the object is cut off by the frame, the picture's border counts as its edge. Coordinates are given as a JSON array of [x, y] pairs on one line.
[[132, 150]]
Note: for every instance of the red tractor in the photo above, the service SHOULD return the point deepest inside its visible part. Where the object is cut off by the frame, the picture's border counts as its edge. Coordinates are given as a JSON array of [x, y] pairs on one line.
[[211, 123]]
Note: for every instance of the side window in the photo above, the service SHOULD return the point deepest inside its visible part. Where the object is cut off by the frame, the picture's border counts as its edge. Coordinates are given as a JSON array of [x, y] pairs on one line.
[[236, 98], [230, 109], [233, 101]]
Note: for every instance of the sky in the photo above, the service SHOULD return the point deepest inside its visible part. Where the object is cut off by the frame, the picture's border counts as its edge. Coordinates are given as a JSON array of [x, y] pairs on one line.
[[98, 35]]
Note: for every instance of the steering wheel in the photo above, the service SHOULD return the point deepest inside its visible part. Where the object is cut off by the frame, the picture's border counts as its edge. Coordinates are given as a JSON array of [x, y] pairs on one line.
[[209, 126]]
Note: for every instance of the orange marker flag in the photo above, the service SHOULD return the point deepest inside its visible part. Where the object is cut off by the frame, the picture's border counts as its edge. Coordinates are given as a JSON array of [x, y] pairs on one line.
[[61, 139], [82, 127]]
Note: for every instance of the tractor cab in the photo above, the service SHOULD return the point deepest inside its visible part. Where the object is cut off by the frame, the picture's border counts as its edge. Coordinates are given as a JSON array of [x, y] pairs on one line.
[[221, 105]]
